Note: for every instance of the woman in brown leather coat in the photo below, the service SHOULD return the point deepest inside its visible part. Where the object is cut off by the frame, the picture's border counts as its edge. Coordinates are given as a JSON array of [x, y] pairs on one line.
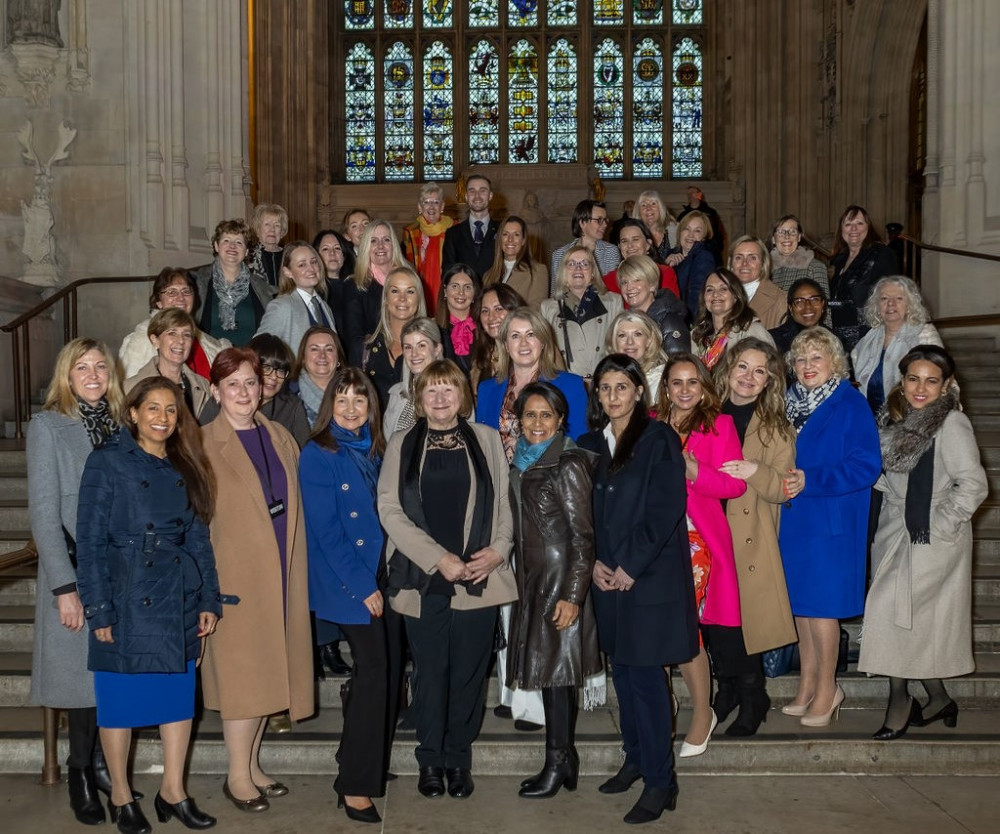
[[553, 635]]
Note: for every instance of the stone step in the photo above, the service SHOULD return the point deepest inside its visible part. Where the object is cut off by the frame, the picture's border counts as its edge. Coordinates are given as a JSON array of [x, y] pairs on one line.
[[781, 746], [963, 344], [13, 486], [14, 514]]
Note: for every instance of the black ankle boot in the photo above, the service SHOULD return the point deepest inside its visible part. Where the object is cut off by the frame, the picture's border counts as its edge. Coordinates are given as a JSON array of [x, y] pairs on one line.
[[129, 818], [333, 660], [562, 768], [754, 704], [726, 698], [83, 796]]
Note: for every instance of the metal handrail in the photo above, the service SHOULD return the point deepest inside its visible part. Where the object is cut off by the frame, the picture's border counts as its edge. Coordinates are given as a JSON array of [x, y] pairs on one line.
[[21, 344]]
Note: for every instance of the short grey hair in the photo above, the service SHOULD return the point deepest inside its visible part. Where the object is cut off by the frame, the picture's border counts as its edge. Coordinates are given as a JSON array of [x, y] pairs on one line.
[[916, 313]]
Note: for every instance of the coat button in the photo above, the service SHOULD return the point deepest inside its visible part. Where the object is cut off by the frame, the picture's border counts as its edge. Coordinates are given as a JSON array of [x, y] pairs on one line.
[[746, 511], [149, 525], [749, 540], [353, 514], [752, 568], [177, 560], [180, 482], [144, 484], [147, 601], [360, 542], [345, 487], [149, 563]]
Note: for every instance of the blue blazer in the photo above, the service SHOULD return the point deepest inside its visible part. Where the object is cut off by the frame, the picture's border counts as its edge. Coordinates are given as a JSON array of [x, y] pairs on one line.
[[343, 533], [693, 272], [491, 393], [824, 529]]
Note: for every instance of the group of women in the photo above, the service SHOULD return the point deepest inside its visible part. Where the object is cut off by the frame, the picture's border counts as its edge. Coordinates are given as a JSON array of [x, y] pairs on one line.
[[614, 494]]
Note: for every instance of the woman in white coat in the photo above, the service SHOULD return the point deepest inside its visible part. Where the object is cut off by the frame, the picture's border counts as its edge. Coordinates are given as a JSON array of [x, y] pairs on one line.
[[918, 614]]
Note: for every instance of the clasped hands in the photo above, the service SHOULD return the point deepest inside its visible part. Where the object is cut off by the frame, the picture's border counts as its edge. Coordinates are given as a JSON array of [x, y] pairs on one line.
[[611, 580], [482, 563]]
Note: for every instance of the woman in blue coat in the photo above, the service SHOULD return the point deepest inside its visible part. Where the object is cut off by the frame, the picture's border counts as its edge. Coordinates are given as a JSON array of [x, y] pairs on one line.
[[338, 473], [149, 588], [643, 588], [824, 525]]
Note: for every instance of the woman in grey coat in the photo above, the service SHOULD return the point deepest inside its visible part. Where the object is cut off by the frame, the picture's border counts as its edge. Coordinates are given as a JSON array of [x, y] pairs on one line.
[[82, 409], [918, 613]]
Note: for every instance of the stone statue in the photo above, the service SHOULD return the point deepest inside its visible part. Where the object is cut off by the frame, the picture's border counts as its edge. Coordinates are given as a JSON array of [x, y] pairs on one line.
[[460, 190], [34, 21], [39, 247], [533, 217], [598, 189]]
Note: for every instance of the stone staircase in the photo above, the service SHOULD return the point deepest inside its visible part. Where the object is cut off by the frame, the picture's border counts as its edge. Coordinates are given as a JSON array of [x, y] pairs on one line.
[[781, 746]]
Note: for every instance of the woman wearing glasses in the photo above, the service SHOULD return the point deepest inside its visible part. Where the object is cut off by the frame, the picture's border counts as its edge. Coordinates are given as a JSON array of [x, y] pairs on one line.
[[790, 260], [807, 303], [423, 241], [590, 222], [173, 287]]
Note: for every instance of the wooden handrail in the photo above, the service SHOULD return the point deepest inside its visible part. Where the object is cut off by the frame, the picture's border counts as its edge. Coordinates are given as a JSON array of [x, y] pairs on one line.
[[26, 555], [965, 253], [988, 319]]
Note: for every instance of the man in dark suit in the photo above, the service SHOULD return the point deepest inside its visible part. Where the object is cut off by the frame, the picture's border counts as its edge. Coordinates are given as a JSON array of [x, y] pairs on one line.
[[472, 241]]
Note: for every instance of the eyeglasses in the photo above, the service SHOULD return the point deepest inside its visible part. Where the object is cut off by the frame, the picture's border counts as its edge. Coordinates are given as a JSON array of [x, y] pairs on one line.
[[807, 301], [270, 370], [186, 292], [787, 233], [600, 221], [578, 264]]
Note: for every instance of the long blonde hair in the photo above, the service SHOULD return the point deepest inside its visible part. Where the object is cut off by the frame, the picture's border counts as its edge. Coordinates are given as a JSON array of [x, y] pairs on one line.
[[60, 397], [362, 267], [770, 405]]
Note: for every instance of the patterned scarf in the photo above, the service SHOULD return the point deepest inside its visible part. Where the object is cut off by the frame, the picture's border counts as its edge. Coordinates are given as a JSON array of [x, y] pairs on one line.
[[463, 331], [802, 402], [716, 350], [230, 295], [97, 421]]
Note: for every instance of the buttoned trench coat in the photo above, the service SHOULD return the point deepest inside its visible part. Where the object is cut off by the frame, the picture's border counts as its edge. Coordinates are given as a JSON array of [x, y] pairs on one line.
[[259, 661], [918, 613], [753, 518]]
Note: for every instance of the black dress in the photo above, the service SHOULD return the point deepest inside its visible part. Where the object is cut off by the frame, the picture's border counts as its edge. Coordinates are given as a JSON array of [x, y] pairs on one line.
[[851, 286]]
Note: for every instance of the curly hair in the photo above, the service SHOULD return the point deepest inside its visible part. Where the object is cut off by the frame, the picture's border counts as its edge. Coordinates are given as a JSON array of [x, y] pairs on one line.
[[770, 405], [825, 341], [916, 312]]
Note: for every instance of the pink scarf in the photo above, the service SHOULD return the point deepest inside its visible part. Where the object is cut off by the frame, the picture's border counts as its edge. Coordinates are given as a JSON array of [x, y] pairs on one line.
[[462, 333]]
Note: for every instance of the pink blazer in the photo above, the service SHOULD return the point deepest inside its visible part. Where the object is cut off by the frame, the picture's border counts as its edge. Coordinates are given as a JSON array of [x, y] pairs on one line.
[[712, 449]]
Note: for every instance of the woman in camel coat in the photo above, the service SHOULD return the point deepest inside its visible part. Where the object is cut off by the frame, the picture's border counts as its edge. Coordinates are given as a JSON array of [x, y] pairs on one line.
[[259, 662]]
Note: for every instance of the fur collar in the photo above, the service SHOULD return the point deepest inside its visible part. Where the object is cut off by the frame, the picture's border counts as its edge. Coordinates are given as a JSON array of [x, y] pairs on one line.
[[904, 443], [799, 259]]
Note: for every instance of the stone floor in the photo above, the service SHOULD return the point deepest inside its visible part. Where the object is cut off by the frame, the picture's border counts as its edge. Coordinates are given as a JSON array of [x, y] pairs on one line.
[[707, 805]]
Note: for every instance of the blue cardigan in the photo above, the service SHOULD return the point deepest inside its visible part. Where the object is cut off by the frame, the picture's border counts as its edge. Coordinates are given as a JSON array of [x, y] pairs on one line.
[[343, 533], [491, 394]]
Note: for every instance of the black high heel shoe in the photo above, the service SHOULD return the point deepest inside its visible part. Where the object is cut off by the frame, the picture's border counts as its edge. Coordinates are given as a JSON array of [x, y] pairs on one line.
[[947, 714], [651, 804], [186, 811], [129, 818], [102, 778], [915, 718], [369, 814]]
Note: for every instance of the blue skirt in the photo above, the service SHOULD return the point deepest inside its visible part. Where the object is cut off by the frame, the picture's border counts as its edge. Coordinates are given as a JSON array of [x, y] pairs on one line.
[[144, 700]]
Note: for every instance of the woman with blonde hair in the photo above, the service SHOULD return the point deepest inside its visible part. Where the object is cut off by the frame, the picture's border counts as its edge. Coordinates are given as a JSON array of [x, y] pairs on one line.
[[514, 266], [423, 240], [638, 278], [269, 223], [636, 335], [660, 221], [83, 408], [581, 311], [691, 258], [421, 340]]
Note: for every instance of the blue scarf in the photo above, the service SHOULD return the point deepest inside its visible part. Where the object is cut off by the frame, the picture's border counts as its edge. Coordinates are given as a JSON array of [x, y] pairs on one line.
[[528, 454], [357, 447]]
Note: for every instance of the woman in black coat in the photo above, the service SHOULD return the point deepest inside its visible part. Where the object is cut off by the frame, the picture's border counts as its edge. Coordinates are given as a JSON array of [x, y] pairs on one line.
[[553, 635], [643, 588]]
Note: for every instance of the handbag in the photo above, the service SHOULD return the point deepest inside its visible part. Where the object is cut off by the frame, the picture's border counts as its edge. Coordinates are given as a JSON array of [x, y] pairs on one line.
[[785, 659]]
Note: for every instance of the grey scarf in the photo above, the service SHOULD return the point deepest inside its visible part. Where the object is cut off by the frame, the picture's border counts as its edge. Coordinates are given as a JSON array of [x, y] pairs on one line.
[[230, 295], [905, 442]]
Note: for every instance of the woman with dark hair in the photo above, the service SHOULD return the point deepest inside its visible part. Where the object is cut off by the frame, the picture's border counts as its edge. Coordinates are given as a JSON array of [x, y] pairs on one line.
[[691, 406], [514, 267], [791, 261], [859, 260], [338, 474], [299, 303], [82, 409], [491, 309], [807, 307], [553, 635], [633, 240], [642, 588], [918, 614], [320, 355], [724, 318], [337, 255], [751, 383], [149, 588], [171, 332], [173, 287], [277, 403], [259, 662], [447, 571], [692, 258], [232, 297], [590, 222], [460, 287]]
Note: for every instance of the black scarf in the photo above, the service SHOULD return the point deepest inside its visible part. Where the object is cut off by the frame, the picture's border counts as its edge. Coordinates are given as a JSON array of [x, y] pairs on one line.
[[908, 446], [405, 574], [98, 422]]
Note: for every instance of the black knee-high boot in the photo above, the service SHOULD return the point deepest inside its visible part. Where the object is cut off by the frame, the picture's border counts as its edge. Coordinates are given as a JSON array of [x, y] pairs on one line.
[[83, 796], [754, 704], [562, 764]]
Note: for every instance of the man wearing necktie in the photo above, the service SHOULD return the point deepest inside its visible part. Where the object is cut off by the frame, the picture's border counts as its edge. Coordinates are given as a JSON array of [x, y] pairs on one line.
[[472, 242]]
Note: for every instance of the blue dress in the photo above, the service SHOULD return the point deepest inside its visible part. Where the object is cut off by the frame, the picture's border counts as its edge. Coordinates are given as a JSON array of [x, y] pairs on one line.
[[824, 529]]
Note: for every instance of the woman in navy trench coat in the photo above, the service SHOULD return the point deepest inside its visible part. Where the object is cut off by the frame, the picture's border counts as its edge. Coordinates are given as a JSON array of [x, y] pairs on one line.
[[643, 588]]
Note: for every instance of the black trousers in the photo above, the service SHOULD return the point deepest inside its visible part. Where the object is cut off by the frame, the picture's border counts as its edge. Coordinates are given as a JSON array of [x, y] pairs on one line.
[[83, 736], [451, 650], [646, 715], [363, 750]]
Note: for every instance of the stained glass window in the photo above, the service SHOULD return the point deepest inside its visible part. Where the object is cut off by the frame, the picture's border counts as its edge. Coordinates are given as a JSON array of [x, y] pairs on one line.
[[561, 13], [647, 12], [359, 14], [399, 14], [609, 109], [359, 78], [647, 109], [439, 113], [398, 103], [687, 12], [609, 12], [522, 107], [484, 108], [484, 13], [522, 12], [687, 101], [437, 13], [561, 104]]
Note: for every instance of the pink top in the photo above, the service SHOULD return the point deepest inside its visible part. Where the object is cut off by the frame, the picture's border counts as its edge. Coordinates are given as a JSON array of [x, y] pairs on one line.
[[704, 508]]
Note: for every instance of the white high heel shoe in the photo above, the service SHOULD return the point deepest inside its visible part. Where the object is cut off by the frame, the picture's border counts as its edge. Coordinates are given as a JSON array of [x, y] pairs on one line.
[[689, 750]]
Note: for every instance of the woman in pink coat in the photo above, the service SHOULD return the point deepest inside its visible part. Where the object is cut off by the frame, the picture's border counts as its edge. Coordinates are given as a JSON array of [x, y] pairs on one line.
[[690, 404]]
